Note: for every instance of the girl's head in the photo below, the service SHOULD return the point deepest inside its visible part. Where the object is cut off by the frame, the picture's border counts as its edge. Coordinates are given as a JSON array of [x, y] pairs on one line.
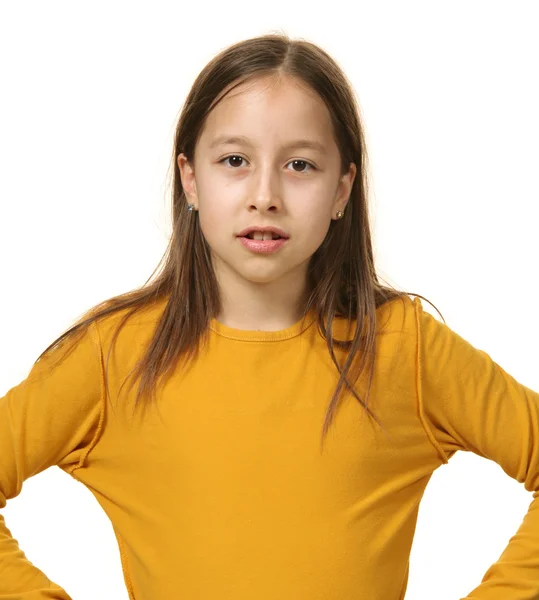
[[298, 163], [266, 154], [268, 92]]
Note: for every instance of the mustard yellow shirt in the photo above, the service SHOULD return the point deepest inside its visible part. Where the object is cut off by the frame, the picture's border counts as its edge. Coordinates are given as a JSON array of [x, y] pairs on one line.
[[226, 494]]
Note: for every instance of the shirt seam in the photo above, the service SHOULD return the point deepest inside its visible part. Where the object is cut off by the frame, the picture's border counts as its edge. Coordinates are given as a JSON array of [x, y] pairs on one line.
[[419, 397], [125, 566], [94, 335], [262, 338]]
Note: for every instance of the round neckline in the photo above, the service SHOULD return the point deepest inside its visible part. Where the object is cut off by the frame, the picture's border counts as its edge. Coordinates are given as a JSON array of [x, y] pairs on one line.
[[253, 335]]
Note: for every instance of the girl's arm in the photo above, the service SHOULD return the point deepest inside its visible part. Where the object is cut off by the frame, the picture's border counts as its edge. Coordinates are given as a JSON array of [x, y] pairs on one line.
[[53, 417], [468, 402]]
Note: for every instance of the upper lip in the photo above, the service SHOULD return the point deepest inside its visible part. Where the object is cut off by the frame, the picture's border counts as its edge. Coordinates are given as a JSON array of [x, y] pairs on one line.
[[269, 228]]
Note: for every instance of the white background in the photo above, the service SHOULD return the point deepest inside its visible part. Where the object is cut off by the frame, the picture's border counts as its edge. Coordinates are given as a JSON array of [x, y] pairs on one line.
[[448, 93]]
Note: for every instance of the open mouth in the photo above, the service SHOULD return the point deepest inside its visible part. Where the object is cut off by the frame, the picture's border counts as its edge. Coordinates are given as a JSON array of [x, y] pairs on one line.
[[260, 237]]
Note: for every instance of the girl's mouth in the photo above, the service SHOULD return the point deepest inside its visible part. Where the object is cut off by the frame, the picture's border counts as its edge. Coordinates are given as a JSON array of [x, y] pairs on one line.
[[257, 235]]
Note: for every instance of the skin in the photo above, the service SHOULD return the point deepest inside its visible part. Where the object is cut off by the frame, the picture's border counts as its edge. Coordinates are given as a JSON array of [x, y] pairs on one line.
[[262, 186]]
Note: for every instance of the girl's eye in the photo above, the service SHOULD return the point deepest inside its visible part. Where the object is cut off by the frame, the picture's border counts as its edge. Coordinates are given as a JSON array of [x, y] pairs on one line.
[[238, 158], [302, 162], [296, 162]]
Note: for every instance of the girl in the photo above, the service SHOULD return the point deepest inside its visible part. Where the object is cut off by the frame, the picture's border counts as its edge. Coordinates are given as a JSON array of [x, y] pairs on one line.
[[302, 406]]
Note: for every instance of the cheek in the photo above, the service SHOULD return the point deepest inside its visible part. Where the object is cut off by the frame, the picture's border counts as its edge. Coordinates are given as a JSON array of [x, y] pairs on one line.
[[214, 211], [315, 220], [213, 227]]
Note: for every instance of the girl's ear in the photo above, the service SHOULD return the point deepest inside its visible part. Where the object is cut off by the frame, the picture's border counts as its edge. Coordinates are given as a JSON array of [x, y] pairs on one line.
[[345, 188], [187, 175]]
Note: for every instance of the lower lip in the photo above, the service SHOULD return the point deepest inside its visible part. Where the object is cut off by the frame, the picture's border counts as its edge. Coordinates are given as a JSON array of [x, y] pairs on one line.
[[263, 246]]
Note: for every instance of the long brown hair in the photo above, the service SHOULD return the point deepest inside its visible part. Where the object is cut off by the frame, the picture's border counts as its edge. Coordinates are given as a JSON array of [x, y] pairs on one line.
[[342, 274]]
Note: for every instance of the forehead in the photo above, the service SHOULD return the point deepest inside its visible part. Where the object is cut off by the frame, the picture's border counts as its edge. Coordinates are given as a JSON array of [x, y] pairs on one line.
[[269, 108]]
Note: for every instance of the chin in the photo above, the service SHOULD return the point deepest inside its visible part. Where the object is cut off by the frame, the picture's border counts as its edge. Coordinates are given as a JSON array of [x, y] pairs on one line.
[[260, 278]]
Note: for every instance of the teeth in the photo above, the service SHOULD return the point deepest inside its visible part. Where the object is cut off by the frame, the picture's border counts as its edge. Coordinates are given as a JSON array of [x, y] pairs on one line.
[[261, 235]]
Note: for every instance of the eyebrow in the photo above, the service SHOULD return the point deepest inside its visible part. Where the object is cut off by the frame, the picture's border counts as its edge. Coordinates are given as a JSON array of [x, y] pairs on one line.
[[223, 140]]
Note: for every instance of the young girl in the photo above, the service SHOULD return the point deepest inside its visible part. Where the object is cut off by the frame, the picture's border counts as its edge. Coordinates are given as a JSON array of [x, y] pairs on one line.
[[290, 409]]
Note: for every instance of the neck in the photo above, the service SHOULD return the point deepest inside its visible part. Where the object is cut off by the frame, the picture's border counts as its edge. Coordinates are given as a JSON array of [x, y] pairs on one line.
[[254, 306]]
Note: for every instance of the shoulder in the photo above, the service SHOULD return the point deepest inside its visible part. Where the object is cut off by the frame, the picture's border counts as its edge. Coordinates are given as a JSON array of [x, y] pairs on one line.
[[130, 327], [396, 315]]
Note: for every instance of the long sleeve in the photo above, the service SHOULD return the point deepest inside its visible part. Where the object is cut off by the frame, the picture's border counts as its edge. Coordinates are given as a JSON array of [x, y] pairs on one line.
[[468, 402], [53, 417]]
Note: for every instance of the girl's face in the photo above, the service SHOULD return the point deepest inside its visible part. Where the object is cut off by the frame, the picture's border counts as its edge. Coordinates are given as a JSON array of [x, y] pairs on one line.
[[266, 179]]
